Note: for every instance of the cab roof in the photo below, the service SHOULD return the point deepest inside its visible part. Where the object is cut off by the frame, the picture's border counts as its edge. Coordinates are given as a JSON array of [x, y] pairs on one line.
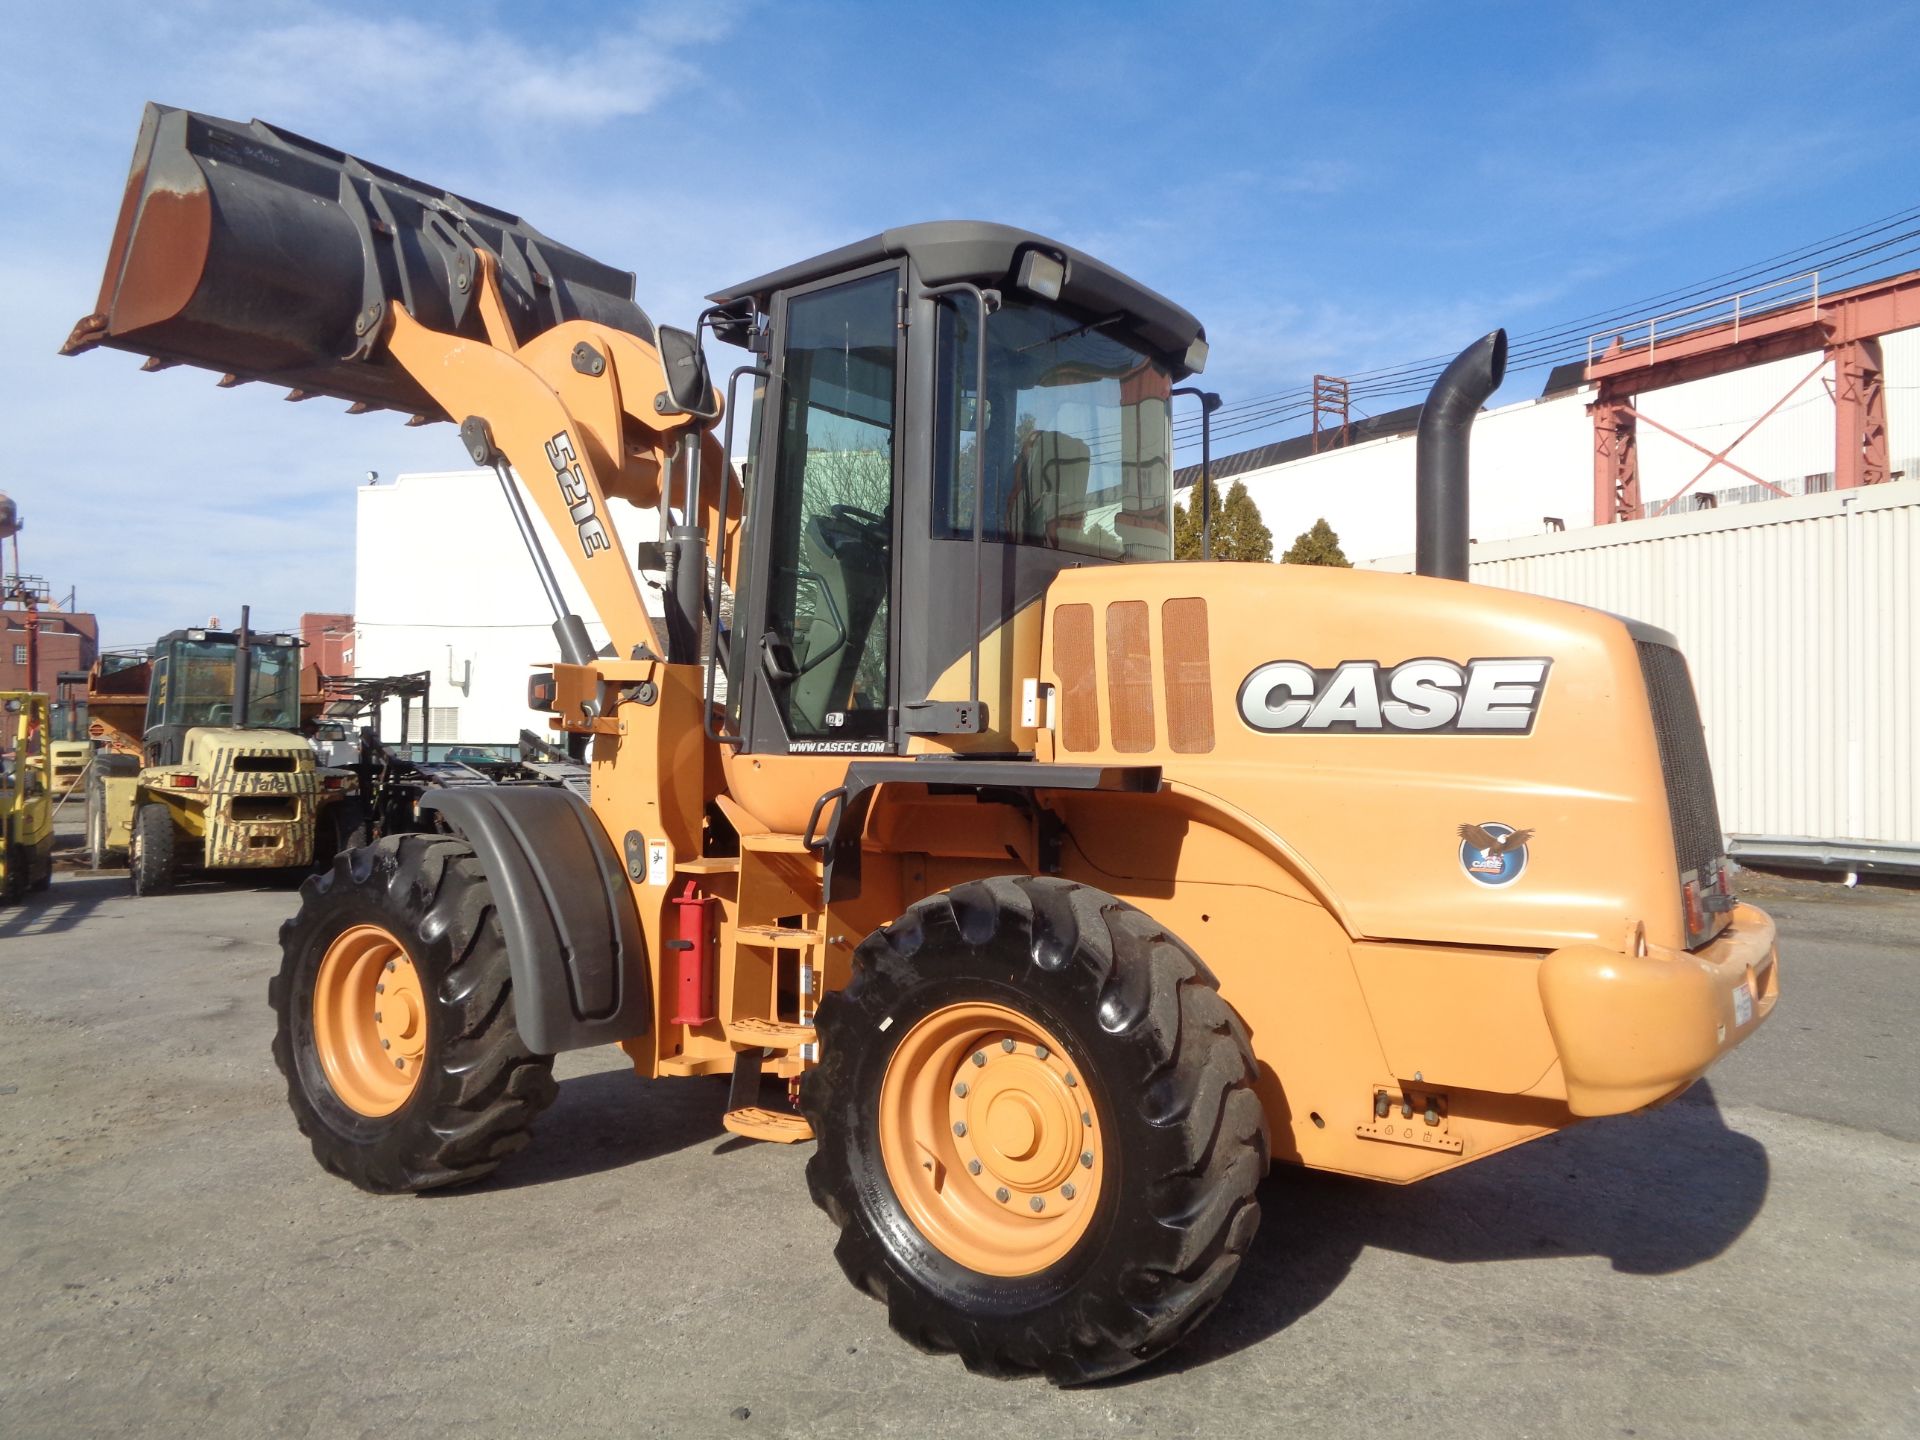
[[948, 251]]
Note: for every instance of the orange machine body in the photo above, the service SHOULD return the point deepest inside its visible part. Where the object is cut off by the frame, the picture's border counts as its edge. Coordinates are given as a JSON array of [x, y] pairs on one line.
[[1432, 839]]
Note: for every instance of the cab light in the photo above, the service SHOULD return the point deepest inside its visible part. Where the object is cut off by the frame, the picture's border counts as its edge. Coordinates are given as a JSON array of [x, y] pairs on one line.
[[1042, 274], [183, 782]]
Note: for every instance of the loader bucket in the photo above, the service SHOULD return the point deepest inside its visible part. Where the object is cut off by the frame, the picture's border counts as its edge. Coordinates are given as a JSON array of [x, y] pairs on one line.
[[246, 249]]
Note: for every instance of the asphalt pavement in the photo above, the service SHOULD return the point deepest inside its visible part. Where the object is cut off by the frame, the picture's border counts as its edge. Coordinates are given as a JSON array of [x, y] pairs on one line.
[[1744, 1262]]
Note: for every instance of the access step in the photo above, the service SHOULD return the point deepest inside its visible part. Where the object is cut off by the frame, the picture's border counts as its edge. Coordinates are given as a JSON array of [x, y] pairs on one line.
[[774, 935], [768, 1034], [710, 865], [774, 843], [757, 1123]]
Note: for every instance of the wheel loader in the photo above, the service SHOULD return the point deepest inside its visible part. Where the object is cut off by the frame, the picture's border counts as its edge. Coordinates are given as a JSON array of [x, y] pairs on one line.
[[1064, 886], [224, 780]]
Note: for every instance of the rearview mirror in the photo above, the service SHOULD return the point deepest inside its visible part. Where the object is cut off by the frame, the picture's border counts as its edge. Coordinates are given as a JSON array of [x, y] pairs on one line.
[[688, 392]]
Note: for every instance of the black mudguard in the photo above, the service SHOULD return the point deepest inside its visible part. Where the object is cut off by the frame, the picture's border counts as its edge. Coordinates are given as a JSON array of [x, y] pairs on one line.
[[573, 940]]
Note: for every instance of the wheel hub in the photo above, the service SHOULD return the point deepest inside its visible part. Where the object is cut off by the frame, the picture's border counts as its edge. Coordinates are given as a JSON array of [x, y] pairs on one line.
[[990, 1138], [1021, 1122], [369, 1020]]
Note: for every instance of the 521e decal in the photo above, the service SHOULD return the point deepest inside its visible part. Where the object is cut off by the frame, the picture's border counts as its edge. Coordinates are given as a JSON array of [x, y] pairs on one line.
[[573, 487]]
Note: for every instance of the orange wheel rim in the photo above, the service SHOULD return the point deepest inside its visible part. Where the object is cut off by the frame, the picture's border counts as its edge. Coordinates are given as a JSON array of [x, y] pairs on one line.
[[990, 1139], [369, 1020]]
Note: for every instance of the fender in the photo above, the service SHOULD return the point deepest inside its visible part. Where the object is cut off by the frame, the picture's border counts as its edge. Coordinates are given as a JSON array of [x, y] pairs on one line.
[[573, 939]]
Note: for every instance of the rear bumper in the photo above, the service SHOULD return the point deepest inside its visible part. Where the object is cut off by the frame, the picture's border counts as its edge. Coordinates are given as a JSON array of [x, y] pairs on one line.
[[1632, 1029]]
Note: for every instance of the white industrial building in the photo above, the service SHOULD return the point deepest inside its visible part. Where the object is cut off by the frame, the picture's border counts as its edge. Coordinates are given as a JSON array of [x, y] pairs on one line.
[[1531, 459], [442, 583]]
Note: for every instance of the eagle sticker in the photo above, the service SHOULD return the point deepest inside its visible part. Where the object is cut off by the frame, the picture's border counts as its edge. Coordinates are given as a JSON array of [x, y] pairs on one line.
[[1492, 853]]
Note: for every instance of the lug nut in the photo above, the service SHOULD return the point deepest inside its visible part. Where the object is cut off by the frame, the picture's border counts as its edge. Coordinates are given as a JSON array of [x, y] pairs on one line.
[[1086, 1118], [1007, 1044], [1086, 1159], [973, 1167], [960, 1127], [386, 1044], [979, 1057], [380, 989], [961, 1089], [399, 1064], [376, 1017], [1039, 1052], [1001, 1194], [393, 965], [1038, 1204], [1066, 1190], [1071, 1082]]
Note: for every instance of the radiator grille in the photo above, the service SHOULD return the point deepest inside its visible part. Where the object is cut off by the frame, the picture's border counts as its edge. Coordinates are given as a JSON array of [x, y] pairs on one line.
[[1188, 660], [1697, 842], [1130, 676], [1073, 660]]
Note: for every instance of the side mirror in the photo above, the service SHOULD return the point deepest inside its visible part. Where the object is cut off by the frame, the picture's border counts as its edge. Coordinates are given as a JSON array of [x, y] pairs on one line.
[[689, 391]]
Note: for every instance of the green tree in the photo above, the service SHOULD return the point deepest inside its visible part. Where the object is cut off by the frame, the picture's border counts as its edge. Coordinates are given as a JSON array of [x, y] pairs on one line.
[[1238, 531], [1316, 546]]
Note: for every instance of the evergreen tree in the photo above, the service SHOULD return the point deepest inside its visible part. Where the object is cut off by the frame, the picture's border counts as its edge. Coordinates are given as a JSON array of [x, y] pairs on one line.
[[1238, 531], [1316, 546]]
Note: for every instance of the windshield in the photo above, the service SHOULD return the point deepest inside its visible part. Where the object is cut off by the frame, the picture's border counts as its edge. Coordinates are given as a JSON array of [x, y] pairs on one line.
[[1078, 439], [197, 685], [69, 720]]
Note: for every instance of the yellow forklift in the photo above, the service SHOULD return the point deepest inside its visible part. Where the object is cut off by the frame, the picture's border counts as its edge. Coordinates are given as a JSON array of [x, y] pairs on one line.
[[26, 795]]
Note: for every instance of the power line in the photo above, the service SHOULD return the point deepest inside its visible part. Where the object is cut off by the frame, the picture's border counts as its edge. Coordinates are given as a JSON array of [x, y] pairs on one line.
[[1566, 340]]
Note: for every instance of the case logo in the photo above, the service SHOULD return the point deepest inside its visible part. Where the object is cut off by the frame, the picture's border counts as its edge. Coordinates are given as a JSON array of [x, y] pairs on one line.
[[1492, 853], [1425, 696]]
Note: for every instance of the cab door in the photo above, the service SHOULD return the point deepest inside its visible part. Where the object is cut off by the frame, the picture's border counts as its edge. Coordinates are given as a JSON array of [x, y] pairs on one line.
[[815, 656]]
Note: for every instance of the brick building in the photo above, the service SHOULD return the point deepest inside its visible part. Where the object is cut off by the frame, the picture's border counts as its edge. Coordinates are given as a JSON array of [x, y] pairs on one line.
[[329, 643], [68, 640]]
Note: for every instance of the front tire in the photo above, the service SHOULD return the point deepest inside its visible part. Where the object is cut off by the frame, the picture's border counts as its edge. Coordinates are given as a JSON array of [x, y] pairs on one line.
[[396, 1020], [150, 851], [1037, 1130]]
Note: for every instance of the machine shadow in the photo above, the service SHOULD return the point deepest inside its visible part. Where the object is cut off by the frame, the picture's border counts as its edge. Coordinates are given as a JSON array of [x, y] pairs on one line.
[[1654, 1193], [62, 905], [609, 1120]]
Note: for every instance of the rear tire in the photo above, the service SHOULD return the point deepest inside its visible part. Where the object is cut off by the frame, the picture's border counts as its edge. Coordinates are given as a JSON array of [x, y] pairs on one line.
[[150, 852], [1167, 1072], [477, 1087]]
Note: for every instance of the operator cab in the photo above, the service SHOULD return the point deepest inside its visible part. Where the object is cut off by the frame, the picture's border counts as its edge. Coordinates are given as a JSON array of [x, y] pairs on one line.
[[881, 609], [193, 685]]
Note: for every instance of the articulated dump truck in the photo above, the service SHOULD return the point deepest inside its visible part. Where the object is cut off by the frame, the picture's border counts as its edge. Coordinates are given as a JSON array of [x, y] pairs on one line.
[[1065, 886]]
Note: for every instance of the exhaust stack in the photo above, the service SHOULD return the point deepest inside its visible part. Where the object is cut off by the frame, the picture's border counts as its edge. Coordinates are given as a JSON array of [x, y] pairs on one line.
[[1440, 456]]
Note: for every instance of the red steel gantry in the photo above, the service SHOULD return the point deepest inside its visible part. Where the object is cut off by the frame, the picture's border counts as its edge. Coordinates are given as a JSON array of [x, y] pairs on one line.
[[1843, 328]]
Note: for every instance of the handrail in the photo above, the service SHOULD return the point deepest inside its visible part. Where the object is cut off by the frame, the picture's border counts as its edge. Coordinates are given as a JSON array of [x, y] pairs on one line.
[[720, 559], [1810, 277], [985, 303]]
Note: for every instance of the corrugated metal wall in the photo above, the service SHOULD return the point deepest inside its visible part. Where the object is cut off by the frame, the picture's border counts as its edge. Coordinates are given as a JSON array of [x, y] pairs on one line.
[[1801, 620]]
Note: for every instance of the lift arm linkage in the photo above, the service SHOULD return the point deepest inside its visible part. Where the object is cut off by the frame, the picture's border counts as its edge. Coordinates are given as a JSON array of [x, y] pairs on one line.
[[574, 411]]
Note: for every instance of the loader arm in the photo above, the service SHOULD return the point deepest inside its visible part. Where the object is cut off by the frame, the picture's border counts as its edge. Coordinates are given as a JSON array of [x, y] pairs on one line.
[[574, 413]]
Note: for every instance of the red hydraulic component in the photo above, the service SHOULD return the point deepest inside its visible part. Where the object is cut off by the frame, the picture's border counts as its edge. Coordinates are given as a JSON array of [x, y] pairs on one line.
[[691, 974]]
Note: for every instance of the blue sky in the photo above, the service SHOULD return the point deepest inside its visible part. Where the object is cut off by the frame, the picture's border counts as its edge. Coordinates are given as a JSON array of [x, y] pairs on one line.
[[1330, 187]]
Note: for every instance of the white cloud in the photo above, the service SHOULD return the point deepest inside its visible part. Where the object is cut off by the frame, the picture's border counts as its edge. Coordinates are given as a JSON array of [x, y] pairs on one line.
[[463, 74]]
